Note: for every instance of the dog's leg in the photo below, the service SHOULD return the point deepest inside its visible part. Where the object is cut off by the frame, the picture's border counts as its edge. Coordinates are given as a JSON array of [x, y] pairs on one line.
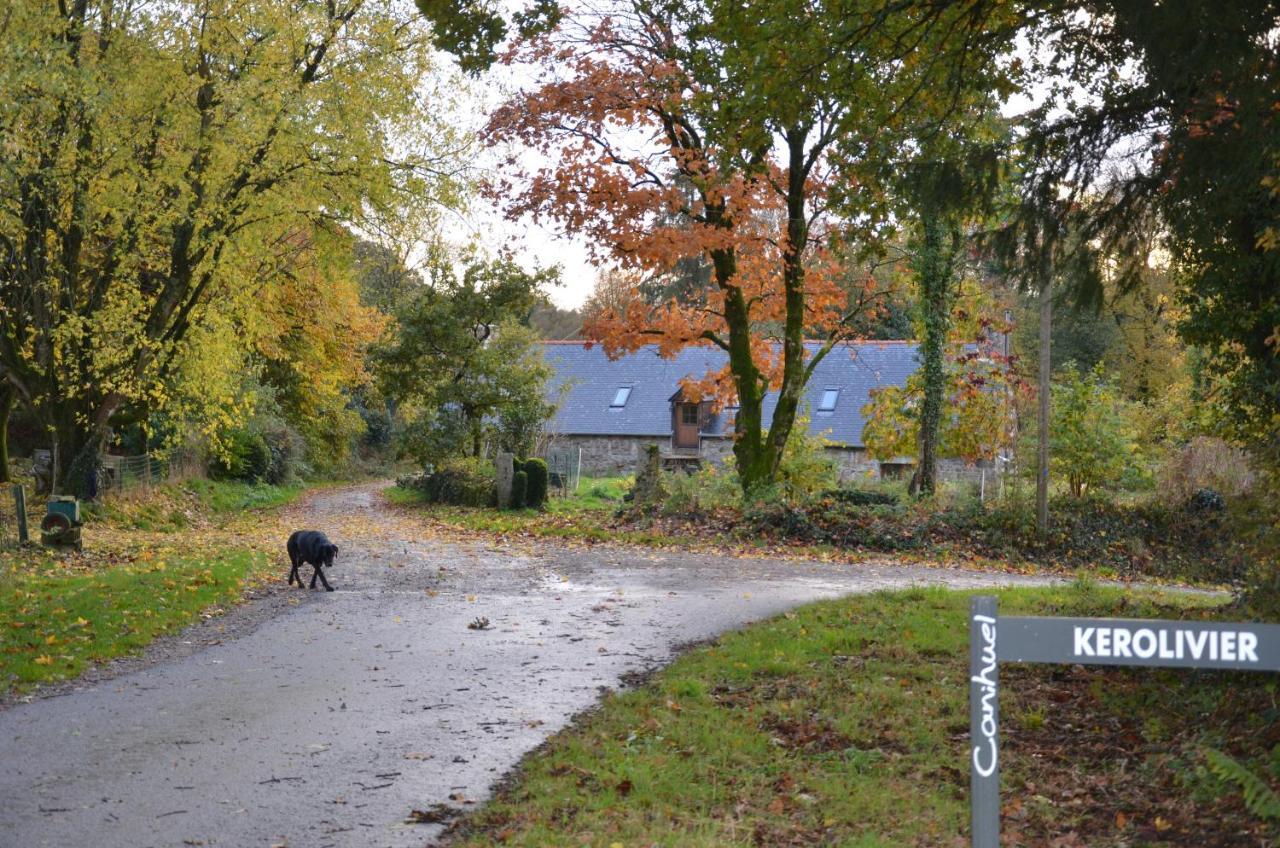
[[314, 575], [293, 573], [320, 572]]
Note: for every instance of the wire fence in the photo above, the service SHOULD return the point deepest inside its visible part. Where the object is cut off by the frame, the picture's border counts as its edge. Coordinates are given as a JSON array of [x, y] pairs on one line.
[[564, 466], [120, 473], [116, 474]]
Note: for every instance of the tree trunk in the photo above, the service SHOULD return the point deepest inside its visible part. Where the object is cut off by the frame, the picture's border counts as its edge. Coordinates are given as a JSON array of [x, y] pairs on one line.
[[79, 452], [748, 438], [794, 373], [934, 266], [78, 446], [8, 396], [1042, 451]]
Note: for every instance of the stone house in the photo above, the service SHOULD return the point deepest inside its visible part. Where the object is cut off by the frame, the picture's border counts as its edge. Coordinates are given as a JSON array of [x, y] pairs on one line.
[[611, 409]]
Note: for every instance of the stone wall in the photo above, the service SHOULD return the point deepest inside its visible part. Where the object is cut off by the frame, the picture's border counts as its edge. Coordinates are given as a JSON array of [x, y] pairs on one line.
[[608, 456], [854, 464], [617, 456], [613, 456]]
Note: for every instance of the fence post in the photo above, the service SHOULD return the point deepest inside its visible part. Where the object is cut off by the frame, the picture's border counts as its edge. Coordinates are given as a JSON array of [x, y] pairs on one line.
[[20, 506]]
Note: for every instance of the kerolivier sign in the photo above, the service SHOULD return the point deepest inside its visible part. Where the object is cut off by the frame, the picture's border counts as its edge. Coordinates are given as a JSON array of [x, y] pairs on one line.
[[994, 639]]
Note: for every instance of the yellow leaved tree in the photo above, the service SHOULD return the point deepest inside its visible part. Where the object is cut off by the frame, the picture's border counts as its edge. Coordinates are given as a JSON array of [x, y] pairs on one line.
[[159, 162]]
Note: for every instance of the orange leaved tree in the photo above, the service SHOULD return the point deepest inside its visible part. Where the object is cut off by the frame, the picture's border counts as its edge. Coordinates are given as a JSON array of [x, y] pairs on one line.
[[748, 139]]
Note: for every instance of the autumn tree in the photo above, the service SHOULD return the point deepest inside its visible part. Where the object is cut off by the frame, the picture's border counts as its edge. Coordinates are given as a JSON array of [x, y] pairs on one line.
[[386, 280], [731, 135], [156, 157], [314, 371], [616, 289], [553, 322]]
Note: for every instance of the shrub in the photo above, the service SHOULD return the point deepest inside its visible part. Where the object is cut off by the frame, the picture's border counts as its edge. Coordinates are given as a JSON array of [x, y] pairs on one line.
[[520, 490], [861, 497], [287, 449], [806, 468], [770, 515], [714, 486], [1136, 538], [1255, 522], [1090, 438], [1206, 500], [536, 469], [247, 457], [460, 482]]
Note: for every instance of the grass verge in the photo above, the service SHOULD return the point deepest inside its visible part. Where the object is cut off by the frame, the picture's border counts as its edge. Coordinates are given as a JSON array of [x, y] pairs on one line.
[[175, 507], [61, 614], [582, 516], [845, 723], [236, 496]]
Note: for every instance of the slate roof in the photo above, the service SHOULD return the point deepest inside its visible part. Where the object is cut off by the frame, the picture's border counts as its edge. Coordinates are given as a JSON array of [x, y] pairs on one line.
[[593, 380]]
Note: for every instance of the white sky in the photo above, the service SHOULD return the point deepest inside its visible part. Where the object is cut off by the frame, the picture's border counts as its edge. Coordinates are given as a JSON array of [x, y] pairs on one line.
[[484, 223]]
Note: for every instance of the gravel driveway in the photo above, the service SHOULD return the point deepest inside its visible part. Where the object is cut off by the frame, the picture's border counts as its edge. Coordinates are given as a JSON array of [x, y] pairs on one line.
[[325, 723]]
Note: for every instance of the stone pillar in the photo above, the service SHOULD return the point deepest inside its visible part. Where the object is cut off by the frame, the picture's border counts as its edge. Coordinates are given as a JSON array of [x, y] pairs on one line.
[[505, 473], [648, 488]]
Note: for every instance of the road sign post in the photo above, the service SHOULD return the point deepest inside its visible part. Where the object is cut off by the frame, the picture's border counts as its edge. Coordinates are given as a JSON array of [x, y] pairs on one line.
[[984, 722], [994, 639]]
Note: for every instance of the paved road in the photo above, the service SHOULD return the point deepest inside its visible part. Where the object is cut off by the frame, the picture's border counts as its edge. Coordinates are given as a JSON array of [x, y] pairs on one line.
[[326, 724]]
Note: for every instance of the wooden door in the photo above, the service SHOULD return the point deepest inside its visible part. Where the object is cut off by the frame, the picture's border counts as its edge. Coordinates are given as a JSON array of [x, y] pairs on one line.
[[686, 432]]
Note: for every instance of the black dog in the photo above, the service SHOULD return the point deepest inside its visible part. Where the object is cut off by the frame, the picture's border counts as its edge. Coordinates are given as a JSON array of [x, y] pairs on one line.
[[313, 548]]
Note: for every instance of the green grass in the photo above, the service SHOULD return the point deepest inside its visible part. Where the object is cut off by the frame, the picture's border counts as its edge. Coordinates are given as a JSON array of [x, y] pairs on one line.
[[224, 496], [135, 578], [58, 618], [845, 722], [580, 515], [594, 493]]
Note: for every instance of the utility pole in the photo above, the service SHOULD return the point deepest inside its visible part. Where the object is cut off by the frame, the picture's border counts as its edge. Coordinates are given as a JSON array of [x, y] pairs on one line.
[[1046, 332]]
